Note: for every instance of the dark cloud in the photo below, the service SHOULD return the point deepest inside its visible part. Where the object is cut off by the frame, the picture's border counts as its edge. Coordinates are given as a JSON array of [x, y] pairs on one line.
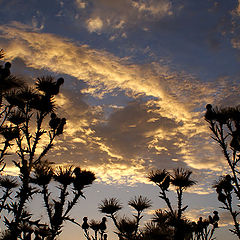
[[129, 130], [117, 15]]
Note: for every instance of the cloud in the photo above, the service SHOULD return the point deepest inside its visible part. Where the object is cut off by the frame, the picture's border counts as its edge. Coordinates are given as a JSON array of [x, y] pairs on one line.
[[38, 21], [81, 4], [154, 8], [225, 217], [233, 26], [235, 43], [99, 68], [162, 126], [94, 25], [194, 214], [237, 10], [116, 15], [131, 131]]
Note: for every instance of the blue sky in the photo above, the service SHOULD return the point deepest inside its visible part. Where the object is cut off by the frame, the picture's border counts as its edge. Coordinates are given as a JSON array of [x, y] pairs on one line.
[[138, 75]]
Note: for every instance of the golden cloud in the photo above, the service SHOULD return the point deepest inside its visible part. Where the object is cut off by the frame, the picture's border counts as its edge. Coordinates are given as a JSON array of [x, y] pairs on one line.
[[165, 130], [94, 24]]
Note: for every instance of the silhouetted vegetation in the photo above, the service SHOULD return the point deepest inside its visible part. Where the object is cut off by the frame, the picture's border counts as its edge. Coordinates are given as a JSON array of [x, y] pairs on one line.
[[167, 224], [98, 228], [7, 83], [224, 124], [172, 223], [25, 113], [127, 228], [29, 127]]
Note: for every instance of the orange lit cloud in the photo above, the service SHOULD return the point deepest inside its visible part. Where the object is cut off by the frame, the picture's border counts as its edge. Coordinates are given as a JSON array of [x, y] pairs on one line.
[[166, 130]]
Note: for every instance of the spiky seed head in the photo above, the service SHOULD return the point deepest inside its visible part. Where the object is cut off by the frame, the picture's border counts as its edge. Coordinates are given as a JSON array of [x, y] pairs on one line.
[[127, 226], [64, 175], [110, 206], [82, 178], [140, 203], [94, 225], [8, 182], [181, 178], [9, 133], [17, 117], [43, 173], [157, 176]]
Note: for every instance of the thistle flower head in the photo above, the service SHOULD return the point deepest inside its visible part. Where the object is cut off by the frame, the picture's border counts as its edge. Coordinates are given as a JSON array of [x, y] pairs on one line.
[[48, 85], [64, 176], [82, 178], [43, 173], [110, 206], [9, 133], [127, 226], [157, 176], [155, 232], [94, 225], [17, 117], [10, 83], [13, 99], [8, 182], [181, 178], [223, 183], [43, 104], [27, 94], [140, 203], [161, 217], [45, 84]]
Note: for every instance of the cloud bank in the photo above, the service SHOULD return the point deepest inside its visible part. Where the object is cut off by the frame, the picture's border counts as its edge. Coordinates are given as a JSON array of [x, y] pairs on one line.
[[161, 126]]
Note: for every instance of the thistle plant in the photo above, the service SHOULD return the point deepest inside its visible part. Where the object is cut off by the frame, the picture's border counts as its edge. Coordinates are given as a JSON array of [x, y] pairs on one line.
[[110, 207], [7, 184], [29, 120], [181, 180], [224, 124], [70, 183], [204, 229], [98, 227], [152, 231], [8, 83], [140, 204], [126, 228], [25, 112]]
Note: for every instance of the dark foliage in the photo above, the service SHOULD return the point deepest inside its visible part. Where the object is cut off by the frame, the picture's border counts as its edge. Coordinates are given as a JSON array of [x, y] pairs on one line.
[[24, 113], [224, 124]]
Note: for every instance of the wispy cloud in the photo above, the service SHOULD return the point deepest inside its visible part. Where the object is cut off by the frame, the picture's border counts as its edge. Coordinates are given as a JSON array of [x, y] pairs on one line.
[[94, 24], [162, 126], [112, 15]]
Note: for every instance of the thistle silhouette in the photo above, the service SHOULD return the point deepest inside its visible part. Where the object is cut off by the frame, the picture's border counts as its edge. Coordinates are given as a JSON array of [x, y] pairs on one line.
[[172, 223], [70, 186], [98, 227], [127, 229], [8, 83], [26, 113], [25, 105], [224, 124]]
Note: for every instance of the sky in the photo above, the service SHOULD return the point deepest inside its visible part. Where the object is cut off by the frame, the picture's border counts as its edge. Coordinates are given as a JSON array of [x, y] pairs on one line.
[[138, 75]]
